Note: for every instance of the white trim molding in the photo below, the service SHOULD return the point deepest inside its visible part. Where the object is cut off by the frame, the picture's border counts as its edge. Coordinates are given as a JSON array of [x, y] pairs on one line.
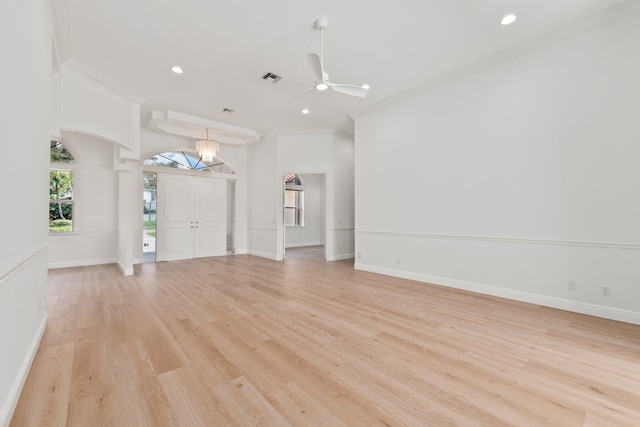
[[341, 257], [543, 300], [61, 42], [25, 259], [194, 127], [81, 263], [85, 70], [590, 23], [263, 255], [591, 244], [16, 389], [303, 245], [302, 132]]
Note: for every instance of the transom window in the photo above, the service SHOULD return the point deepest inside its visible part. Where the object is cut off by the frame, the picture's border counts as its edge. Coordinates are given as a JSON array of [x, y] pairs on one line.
[[61, 185], [189, 160]]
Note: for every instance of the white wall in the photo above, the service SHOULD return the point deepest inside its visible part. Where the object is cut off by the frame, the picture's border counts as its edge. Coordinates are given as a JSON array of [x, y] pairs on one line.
[[513, 179], [320, 152], [89, 105], [314, 210], [25, 41], [95, 237], [263, 198], [341, 227], [237, 156]]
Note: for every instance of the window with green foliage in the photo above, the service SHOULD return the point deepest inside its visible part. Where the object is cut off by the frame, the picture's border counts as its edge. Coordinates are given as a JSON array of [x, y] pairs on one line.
[[61, 182]]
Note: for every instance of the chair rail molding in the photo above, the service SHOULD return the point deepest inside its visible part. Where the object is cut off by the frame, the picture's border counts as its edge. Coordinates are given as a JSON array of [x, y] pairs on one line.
[[22, 261]]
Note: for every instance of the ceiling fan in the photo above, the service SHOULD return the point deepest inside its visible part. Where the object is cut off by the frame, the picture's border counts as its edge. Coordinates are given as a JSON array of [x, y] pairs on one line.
[[322, 78]]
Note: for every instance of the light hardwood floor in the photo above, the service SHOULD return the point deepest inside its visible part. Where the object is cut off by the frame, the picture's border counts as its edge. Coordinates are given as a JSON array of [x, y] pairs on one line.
[[244, 341]]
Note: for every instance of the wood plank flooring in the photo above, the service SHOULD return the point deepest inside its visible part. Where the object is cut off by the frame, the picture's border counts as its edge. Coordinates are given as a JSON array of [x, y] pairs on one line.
[[244, 341]]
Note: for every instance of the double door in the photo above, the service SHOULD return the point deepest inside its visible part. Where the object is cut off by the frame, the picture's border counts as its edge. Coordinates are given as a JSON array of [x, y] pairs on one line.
[[191, 217]]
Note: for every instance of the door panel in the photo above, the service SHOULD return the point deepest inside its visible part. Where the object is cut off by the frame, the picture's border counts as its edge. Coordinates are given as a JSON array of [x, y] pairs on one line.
[[175, 216], [211, 217], [192, 217]]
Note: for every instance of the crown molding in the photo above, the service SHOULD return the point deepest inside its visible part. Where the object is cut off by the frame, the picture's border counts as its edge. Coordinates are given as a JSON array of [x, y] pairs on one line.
[[591, 23], [306, 132], [194, 127], [83, 69], [60, 30]]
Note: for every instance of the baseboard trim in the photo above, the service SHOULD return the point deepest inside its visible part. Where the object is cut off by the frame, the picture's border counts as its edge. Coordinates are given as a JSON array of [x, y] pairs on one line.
[[263, 255], [81, 263], [14, 394], [543, 300], [341, 257], [302, 245], [126, 271]]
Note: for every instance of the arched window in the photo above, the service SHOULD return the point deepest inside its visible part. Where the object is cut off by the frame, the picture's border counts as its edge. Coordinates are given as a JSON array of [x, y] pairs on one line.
[[293, 200], [61, 184], [189, 160]]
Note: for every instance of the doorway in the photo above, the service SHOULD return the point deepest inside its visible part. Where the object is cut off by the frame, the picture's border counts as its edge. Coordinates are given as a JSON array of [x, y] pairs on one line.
[[191, 217], [149, 217], [304, 213]]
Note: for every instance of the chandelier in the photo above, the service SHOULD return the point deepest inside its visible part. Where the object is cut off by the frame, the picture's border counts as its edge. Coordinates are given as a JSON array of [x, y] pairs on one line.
[[207, 149]]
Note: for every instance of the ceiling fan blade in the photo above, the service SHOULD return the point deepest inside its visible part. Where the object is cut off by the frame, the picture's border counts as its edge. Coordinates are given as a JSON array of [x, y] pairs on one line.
[[352, 90], [316, 66], [300, 93]]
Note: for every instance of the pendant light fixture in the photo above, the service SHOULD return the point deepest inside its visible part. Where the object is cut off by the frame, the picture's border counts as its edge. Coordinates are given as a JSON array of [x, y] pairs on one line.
[[207, 149]]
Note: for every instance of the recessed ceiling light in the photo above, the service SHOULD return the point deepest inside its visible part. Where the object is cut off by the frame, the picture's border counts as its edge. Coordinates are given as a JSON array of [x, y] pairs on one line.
[[508, 19], [305, 111], [321, 86], [176, 69], [366, 86]]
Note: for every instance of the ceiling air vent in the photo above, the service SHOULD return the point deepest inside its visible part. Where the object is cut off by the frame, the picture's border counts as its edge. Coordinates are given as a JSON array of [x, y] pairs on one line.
[[270, 77]]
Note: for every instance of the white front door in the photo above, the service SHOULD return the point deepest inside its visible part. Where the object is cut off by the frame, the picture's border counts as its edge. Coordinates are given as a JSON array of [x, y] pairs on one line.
[[191, 217], [210, 217], [175, 217]]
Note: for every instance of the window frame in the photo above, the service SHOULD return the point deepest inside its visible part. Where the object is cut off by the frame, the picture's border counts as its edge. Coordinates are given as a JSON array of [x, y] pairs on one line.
[[293, 182], [72, 167], [218, 166], [298, 205]]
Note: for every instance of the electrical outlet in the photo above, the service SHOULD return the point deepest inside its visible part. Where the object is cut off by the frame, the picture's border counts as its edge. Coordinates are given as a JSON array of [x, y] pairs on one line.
[[398, 261], [606, 291], [359, 255], [39, 307], [339, 248], [571, 285]]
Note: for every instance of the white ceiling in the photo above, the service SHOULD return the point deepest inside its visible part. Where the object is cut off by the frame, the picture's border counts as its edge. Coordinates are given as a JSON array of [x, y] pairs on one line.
[[225, 47]]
